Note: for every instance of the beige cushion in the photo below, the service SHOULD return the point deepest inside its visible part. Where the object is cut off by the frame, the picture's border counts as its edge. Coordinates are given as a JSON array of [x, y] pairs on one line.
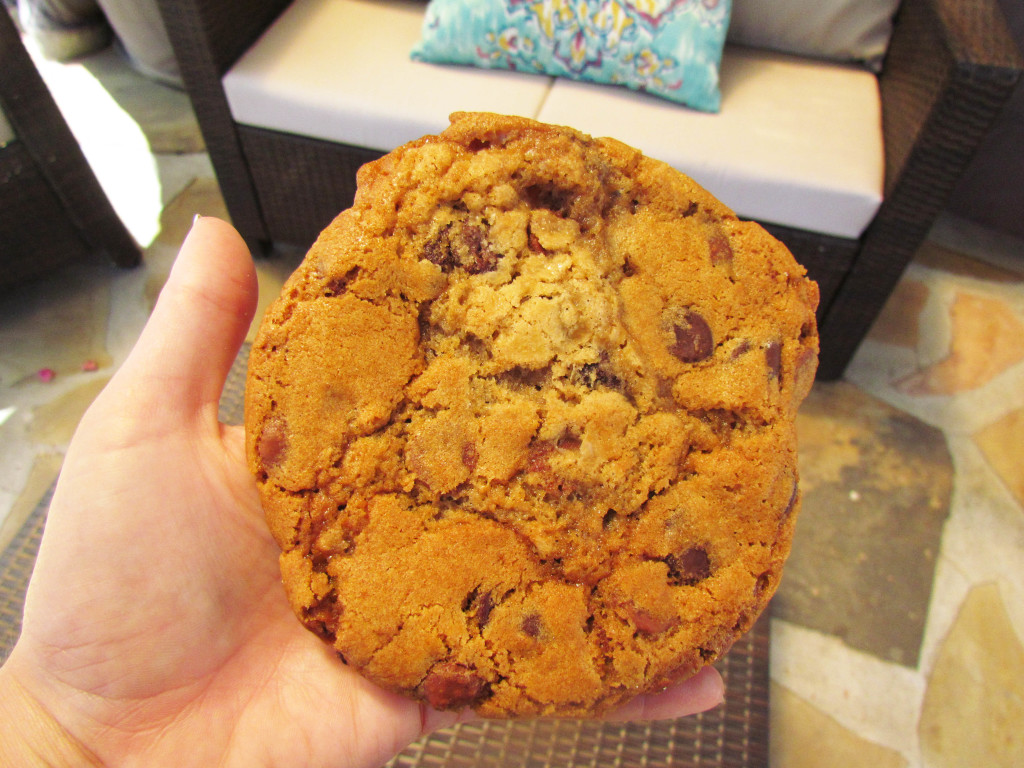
[[141, 32], [798, 142], [844, 30], [340, 70]]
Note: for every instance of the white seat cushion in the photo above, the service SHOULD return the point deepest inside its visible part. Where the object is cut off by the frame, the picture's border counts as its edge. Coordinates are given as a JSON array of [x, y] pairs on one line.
[[340, 70], [797, 142]]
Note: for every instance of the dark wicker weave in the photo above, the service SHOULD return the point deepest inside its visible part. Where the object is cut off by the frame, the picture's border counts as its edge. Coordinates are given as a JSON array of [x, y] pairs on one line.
[[52, 208], [951, 67]]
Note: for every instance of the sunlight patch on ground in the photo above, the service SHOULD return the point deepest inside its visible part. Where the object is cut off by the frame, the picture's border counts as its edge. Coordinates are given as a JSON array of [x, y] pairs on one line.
[[113, 144]]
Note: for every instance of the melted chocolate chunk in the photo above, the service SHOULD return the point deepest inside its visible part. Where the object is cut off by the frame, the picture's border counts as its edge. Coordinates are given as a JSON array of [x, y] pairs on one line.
[[273, 442], [453, 686], [462, 245], [439, 250], [338, 285], [740, 350], [689, 567], [594, 375], [479, 606], [693, 339], [721, 250], [569, 442], [482, 258], [649, 624], [773, 359], [549, 196], [484, 606]]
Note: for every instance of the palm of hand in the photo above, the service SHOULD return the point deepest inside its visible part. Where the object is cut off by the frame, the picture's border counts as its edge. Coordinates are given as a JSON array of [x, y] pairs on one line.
[[180, 625], [155, 623], [156, 629]]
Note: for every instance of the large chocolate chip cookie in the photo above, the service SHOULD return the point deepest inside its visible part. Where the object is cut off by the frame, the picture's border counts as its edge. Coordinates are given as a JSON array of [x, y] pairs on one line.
[[523, 421]]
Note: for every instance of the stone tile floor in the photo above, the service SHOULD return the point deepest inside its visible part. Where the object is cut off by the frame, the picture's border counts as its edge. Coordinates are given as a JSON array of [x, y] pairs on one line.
[[898, 633]]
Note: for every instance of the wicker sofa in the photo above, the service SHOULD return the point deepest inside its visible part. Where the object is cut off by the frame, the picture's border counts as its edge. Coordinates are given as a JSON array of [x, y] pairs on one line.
[[949, 67], [52, 209]]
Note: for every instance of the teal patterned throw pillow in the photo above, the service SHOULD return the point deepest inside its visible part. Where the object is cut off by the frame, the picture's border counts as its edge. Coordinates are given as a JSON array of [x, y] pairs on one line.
[[671, 48]]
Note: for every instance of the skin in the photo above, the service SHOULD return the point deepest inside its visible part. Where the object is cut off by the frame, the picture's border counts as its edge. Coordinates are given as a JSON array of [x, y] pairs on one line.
[[156, 631]]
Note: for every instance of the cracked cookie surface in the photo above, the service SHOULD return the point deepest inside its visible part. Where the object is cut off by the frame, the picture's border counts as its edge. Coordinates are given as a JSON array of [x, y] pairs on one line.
[[523, 421]]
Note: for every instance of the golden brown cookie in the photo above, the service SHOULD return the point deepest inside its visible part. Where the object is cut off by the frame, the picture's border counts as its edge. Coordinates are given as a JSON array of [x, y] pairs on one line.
[[523, 421]]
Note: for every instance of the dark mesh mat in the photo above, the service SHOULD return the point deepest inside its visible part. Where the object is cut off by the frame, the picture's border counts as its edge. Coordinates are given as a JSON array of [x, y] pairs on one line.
[[735, 735]]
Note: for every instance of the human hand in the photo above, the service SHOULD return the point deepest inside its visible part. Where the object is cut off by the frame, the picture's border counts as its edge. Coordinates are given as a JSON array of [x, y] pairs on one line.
[[156, 630]]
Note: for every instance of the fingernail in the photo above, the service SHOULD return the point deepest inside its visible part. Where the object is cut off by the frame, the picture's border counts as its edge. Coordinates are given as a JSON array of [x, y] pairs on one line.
[[196, 218]]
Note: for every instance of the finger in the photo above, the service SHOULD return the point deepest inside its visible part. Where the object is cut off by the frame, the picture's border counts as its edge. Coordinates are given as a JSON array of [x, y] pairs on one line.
[[183, 355], [702, 692]]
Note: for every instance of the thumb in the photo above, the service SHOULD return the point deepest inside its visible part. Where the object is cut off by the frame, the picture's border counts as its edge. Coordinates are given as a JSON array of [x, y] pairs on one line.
[[704, 691], [184, 353]]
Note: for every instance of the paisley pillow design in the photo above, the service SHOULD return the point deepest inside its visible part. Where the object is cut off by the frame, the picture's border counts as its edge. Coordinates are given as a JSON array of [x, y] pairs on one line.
[[670, 48]]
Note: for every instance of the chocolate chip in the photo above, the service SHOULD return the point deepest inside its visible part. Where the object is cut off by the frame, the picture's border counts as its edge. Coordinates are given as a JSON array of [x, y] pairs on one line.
[[549, 196], [479, 606], [649, 624], [338, 285], [740, 350], [484, 606], [439, 250], [721, 249], [531, 625], [273, 441], [453, 686], [520, 378], [693, 339], [594, 375], [482, 258], [689, 567], [773, 359], [569, 442], [464, 245], [695, 563]]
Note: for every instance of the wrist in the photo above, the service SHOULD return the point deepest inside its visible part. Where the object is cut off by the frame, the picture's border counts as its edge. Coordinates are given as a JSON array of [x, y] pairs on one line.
[[29, 734]]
